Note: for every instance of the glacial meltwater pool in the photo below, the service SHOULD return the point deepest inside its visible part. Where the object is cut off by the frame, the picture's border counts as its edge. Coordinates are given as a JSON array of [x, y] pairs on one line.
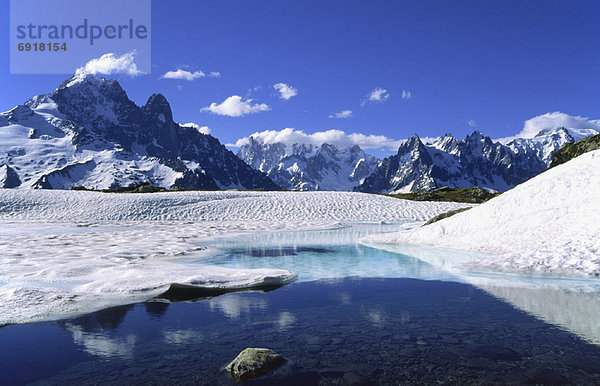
[[356, 315]]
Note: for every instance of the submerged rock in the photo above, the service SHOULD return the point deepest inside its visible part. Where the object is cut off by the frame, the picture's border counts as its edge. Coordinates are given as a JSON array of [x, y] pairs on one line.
[[252, 363]]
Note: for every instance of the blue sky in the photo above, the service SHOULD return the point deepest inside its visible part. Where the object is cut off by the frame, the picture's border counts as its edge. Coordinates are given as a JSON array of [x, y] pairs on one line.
[[494, 64]]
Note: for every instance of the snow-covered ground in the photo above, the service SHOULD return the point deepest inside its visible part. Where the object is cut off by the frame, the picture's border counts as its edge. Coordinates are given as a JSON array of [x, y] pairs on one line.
[[549, 224], [68, 252]]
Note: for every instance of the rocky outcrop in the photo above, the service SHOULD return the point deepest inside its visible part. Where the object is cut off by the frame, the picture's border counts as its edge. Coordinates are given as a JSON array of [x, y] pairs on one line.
[[572, 150], [252, 363]]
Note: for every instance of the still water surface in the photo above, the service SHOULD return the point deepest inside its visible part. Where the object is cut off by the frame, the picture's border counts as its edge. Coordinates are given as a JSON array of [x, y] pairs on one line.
[[357, 315]]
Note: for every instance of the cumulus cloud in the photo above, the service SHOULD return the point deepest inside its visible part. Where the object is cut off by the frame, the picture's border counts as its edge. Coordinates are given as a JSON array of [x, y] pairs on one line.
[[109, 64], [377, 95], [188, 75], [406, 94], [341, 114], [334, 137], [201, 129], [285, 90], [556, 119], [183, 74], [472, 123], [235, 106]]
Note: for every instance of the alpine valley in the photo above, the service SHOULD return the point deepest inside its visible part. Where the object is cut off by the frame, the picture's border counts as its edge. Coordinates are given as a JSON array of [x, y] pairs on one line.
[[88, 133]]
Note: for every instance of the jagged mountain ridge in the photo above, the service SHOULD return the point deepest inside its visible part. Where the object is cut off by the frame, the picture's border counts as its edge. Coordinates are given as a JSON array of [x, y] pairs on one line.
[[89, 133], [476, 160], [309, 167]]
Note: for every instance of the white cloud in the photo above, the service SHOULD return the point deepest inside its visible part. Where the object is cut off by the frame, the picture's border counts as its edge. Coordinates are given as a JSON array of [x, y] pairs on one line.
[[110, 63], [377, 95], [472, 123], [188, 75], [183, 74], [201, 129], [234, 106], [406, 94], [285, 90], [341, 114], [556, 119], [334, 137]]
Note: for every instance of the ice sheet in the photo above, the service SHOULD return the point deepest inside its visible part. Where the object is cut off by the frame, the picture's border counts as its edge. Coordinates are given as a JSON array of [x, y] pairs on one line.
[[64, 253]]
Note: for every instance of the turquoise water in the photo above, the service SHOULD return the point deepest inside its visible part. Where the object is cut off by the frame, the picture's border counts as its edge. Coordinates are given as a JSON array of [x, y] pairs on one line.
[[322, 254]]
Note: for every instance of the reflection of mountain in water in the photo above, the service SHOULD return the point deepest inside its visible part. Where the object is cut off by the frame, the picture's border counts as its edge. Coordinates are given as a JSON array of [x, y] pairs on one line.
[[568, 303], [155, 308], [109, 318], [578, 312], [89, 332]]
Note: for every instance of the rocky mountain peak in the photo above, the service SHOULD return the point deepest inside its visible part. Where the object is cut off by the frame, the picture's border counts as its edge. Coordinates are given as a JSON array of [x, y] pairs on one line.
[[158, 107], [18, 113], [302, 166], [91, 134]]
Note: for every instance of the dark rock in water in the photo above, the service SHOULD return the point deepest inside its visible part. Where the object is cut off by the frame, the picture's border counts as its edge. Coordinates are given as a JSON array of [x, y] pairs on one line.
[[252, 363]]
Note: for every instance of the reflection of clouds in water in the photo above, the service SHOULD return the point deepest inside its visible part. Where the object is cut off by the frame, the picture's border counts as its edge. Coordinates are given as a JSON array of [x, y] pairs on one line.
[[101, 345], [377, 317], [285, 319], [233, 305], [182, 336], [343, 297]]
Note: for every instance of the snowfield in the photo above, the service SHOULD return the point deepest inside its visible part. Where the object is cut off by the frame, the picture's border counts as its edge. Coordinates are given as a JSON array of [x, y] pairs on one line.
[[549, 224], [64, 253]]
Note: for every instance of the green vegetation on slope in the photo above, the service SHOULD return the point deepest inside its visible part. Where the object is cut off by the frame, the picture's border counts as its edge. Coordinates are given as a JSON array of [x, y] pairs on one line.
[[572, 150], [447, 214], [144, 187], [473, 195]]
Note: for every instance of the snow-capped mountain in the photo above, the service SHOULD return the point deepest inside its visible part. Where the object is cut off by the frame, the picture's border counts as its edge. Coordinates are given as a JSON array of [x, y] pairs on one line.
[[548, 141], [307, 166], [88, 133], [474, 161]]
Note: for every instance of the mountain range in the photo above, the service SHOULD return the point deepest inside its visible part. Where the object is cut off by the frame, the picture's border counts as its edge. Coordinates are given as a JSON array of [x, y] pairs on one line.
[[88, 133], [307, 166], [476, 160]]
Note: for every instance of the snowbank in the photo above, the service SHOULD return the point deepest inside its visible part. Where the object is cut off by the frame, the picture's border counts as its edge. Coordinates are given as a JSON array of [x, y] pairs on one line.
[[549, 224], [291, 207], [64, 253]]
